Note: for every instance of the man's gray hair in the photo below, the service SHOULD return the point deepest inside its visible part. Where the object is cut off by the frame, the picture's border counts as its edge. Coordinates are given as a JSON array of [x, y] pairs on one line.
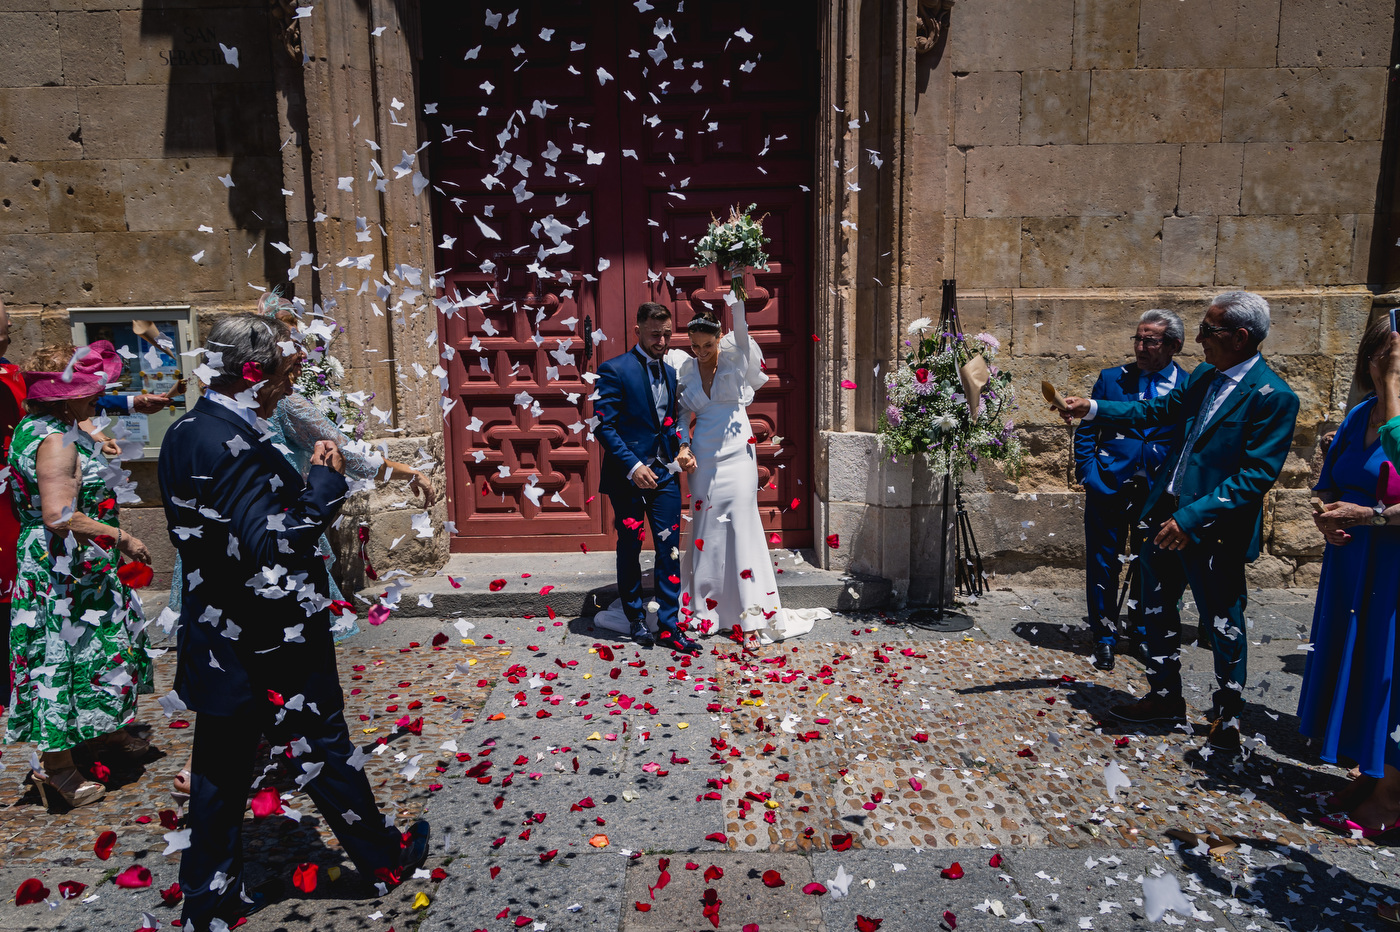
[[1175, 329], [1244, 310], [244, 338]]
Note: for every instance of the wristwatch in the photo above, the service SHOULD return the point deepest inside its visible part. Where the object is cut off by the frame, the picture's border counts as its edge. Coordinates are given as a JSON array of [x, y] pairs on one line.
[[1378, 519]]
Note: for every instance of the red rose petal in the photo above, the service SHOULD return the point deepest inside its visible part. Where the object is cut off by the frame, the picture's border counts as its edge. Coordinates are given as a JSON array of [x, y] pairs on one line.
[[69, 889], [133, 877], [814, 889], [105, 843], [304, 877], [949, 918], [995, 861], [266, 802], [31, 891], [497, 585], [867, 925], [841, 842], [772, 879], [953, 871], [136, 575], [172, 895]]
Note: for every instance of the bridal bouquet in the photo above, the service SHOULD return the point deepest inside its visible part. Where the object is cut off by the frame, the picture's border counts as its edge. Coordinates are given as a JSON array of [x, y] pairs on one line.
[[949, 402], [734, 245], [321, 375]]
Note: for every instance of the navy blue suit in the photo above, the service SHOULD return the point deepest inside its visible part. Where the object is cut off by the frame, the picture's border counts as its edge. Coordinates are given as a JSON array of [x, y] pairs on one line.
[[255, 650], [1219, 503], [631, 433], [1106, 459]]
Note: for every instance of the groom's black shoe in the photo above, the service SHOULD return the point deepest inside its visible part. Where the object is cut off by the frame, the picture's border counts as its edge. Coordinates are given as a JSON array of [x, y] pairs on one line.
[[683, 644], [641, 635], [1103, 657]]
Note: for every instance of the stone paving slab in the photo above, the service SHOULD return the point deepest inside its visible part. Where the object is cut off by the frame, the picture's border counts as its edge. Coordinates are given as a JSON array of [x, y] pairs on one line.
[[574, 892], [741, 893], [916, 898]]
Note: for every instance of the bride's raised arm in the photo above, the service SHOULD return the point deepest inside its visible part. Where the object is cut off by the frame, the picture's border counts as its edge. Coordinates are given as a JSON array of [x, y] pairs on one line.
[[749, 352]]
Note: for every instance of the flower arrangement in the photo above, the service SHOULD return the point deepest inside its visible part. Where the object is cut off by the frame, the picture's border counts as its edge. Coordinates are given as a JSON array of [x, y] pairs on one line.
[[320, 378], [928, 410], [734, 245]]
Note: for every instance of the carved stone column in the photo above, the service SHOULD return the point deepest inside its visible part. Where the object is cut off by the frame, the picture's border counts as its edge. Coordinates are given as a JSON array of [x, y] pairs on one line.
[[360, 86]]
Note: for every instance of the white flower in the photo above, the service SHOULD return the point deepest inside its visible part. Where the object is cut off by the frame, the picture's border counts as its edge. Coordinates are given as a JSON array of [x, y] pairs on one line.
[[919, 326], [945, 422], [337, 369]]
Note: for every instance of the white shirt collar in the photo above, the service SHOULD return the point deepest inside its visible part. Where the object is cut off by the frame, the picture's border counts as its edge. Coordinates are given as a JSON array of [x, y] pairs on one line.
[[247, 415], [1237, 372]]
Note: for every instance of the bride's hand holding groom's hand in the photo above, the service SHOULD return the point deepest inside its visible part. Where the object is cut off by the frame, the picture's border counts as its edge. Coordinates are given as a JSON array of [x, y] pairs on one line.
[[686, 460]]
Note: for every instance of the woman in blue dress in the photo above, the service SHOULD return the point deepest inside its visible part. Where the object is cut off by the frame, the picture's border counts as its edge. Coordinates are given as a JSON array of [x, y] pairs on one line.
[[1350, 700]]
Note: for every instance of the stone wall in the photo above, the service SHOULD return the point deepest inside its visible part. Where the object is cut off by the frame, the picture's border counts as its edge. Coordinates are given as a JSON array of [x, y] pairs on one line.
[[1090, 159], [116, 124], [132, 143]]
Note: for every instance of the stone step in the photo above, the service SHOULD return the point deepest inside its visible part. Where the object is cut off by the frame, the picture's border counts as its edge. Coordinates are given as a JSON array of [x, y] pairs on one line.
[[585, 582]]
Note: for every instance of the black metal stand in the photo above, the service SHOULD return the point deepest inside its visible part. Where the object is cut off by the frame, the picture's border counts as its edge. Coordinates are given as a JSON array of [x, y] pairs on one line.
[[968, 575]]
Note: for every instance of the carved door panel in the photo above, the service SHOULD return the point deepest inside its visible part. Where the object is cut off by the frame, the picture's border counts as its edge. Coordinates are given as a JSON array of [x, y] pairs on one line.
[[677, 143], [776, 303], [523, 467], [731, 122]]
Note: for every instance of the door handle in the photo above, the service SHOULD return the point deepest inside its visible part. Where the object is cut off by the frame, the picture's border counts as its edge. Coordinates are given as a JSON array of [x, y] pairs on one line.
[[587, 339]]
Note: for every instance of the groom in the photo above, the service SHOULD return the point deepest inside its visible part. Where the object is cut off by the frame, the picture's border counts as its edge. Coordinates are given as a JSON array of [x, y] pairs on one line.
[[636, 411]]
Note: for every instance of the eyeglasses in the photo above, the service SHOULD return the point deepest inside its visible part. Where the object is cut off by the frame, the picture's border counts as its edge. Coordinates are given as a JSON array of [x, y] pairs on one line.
[[1148, 342], [1206, 328]]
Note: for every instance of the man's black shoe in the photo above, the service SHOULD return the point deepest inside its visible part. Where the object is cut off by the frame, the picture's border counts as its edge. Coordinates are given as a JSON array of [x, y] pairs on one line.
[[415, 850], [641, 635], [1103, 657], [683, 644]]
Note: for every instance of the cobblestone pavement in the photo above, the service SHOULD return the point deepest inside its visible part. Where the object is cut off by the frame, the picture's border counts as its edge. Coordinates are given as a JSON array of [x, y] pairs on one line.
[[575, 781]]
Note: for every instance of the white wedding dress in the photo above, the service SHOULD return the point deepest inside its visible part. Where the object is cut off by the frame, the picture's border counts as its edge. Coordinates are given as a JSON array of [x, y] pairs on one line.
[[726, 569]]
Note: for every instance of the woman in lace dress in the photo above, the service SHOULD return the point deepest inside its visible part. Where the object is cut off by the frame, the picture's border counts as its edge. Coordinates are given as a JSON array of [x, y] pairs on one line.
[[726, 571]]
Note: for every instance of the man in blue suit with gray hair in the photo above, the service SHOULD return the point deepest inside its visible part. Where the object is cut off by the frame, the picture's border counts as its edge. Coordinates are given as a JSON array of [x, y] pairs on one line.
[[1205, 510], [1116, 465]]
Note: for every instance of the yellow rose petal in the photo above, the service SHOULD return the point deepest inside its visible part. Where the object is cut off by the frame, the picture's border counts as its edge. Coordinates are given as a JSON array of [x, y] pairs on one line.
[[469, 642], [333, 873], [420, 901], [683, 725], [596, 736]]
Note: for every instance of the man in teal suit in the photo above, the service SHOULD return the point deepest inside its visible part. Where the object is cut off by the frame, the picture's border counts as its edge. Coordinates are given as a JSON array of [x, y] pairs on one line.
[[1236, 417]]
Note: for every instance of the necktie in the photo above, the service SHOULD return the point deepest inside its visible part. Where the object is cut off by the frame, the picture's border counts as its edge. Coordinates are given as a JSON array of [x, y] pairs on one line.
[[656, 372], [1202, 416], [1152, 379]]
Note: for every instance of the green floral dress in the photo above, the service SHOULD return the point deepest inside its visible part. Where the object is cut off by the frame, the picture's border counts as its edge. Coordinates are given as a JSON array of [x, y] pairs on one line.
[[77, 640]]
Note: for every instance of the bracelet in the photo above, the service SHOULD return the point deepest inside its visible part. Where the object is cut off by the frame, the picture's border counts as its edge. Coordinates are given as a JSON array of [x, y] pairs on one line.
[[119, 539]]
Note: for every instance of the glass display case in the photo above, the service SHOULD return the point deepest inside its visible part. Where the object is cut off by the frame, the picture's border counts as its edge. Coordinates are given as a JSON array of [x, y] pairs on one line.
[[148, 368]]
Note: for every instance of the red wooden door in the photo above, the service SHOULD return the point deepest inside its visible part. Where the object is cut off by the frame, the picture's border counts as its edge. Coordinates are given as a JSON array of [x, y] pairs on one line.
[[687, 123]]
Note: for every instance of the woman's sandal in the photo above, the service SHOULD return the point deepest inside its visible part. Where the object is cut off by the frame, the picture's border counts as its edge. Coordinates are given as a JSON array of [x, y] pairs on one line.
[[181, 793]]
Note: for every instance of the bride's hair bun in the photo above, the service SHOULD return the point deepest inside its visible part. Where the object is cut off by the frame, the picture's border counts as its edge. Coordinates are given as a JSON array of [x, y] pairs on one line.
[[704, 321]]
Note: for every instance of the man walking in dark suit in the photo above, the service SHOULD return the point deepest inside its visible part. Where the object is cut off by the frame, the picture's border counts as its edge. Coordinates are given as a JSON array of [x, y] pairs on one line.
[[1237, 419], [255, 651], [637, 427], [1116, 466]]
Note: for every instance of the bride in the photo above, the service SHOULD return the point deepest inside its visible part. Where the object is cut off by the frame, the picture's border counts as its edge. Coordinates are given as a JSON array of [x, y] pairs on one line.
[[726, 571]]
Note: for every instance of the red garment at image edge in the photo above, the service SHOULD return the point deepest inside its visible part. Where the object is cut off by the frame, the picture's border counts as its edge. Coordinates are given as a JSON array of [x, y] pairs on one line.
[[11, 411]]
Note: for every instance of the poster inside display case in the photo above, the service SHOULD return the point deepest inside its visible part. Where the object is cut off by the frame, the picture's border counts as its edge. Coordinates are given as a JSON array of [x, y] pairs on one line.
[[147, 368]]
